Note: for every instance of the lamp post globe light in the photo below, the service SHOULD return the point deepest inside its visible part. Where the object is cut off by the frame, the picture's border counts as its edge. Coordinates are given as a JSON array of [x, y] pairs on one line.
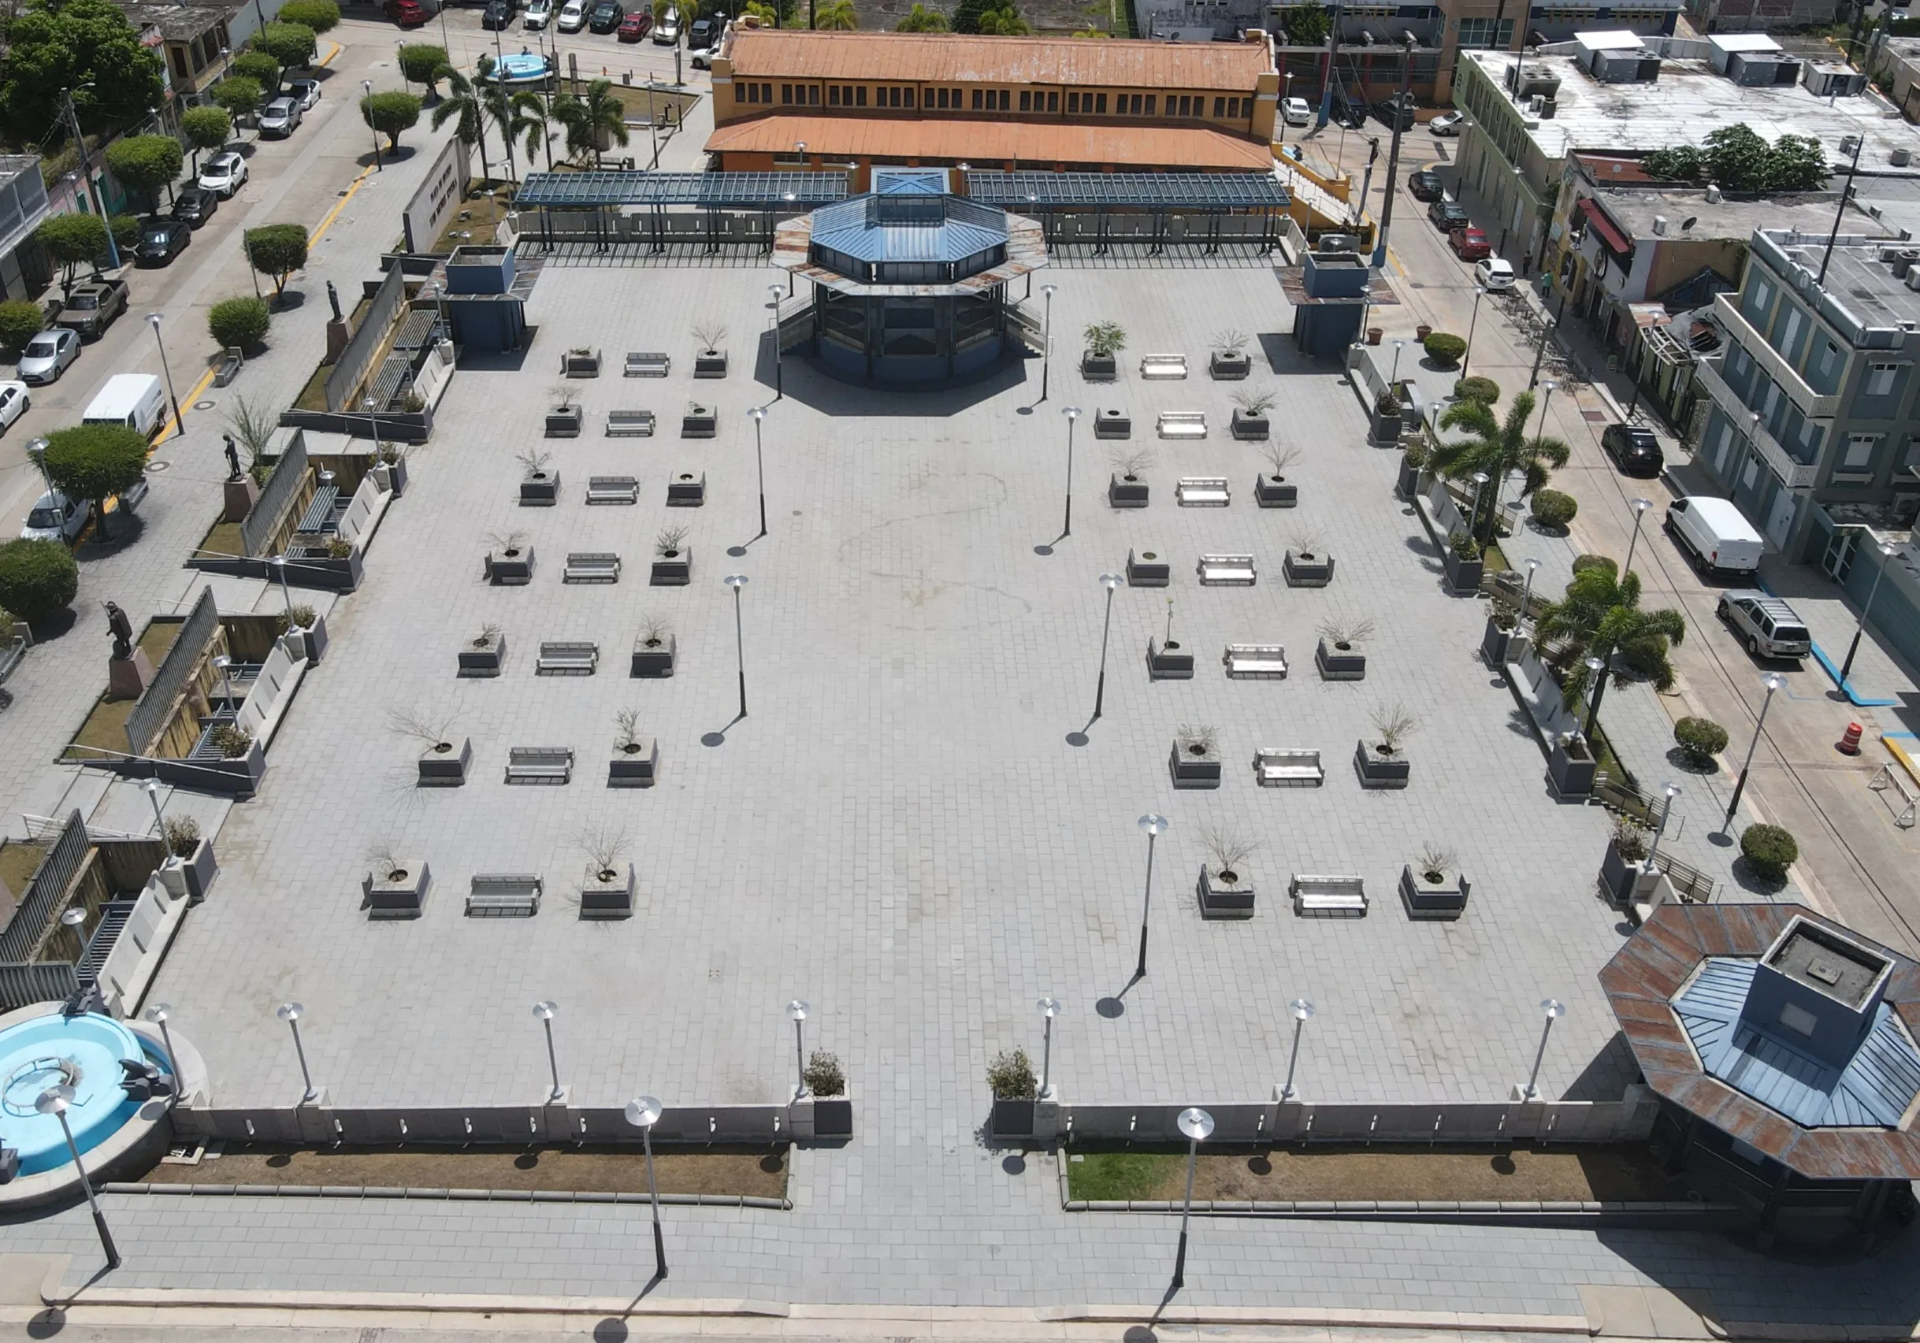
[[779, 386], [736, 582], [159, 1014], [179, 423], [1526, 590], [159, 817], [1047, 291], [291, 1014], [1154, 826], [54, 1101], [1111, 582], [1302, 1012], [1479, 292], [1552, 1009], [797, 1013], [1072, 413], [367, 86], [643, 1112], [1640, 507], [1597, 679], [544, 1011], [1771, 682], [757, 414], [1197, 1124], [1668, 794], [1049, 1008], [1887, 553], [1480, 479]]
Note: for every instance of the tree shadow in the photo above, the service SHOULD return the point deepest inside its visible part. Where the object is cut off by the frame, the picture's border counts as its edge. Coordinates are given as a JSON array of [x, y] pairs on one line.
[[54, 624], [1749, 880], [127, 529], [1689, 763]]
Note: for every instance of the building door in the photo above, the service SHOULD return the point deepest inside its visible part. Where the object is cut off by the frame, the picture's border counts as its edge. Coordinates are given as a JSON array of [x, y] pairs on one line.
[[1780, 521], [1837, 561]]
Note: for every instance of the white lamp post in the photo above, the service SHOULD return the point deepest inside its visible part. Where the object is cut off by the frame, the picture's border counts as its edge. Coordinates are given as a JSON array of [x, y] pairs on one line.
[[544, 1011], [54, 1101], [1771, 682], [159, 1014], [1302, 1012], [643, 1113], [1197, 1124], [1553, 1009], [797, 1013], [1671, 791], [736, 582], [1640, 507], [1110, 582], [1886, 562], [757, 414], [779, 386], [1155, 826], [291, 1014], [179, 422], [1047, 291], [1072, 413], [1049, 1008]]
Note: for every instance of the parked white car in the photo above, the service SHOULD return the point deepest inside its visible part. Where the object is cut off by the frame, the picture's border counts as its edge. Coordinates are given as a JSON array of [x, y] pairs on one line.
[[54, 517], [1295, 111], [225, 172], [539, 14], [1494, 273], [573, 16], [14, 402], [306, 92], [48, 354], [1447, 123]]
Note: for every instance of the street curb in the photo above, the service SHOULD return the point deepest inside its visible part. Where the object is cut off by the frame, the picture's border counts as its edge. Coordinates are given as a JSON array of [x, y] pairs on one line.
[[441, 1195]]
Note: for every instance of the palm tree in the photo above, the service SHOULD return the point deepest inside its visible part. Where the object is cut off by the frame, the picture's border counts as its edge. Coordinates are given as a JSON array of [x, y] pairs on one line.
[[767, 14], [1004, 22], [1496, 447], [1600, 617], [836, 16], [463, 101], [922, 20], [592, 120], [530, 122]]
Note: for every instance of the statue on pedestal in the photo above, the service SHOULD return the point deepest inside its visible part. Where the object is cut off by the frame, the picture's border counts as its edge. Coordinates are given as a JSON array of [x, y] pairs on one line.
[[233, 457], [122, 631]]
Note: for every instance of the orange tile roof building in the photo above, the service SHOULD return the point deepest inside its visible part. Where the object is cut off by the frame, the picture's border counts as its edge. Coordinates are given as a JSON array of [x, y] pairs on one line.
[[789, 98]]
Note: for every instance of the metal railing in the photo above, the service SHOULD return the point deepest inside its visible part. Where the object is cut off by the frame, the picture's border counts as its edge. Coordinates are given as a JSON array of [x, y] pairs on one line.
[[150, 715], [40, 903], [278, 495]]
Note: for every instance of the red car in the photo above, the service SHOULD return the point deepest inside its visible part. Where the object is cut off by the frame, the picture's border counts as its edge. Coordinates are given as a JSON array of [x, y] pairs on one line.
[[406, 13], [635, 25], [1470, 244]]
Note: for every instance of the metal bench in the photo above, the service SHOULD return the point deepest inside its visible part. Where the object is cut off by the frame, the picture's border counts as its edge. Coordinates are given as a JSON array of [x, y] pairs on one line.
[[1226, 571], [647, 364], [1255, 662], [1274, 767], [1182, 424], [1163, 366], [504, 895], [629, 424], [319, 514], [1328, 897], [567, 659], [613, 490], [539, 764], [1202, 492], [591, 566]]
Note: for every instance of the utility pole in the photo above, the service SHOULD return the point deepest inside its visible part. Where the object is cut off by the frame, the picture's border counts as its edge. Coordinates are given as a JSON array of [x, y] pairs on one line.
[[1333, 53], [1400, 112], [86, 174]]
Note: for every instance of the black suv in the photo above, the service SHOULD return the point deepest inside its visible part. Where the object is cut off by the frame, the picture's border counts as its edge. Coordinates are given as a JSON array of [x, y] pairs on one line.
[[1448, 215], [1425, 185], [606, 16], [498, 14], [194, 206], [1634, 449], [161, 240], [1394, 114]]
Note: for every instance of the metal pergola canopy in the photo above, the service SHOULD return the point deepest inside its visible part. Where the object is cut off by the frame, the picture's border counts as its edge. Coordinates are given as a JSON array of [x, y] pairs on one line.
[[716, 191], [1154, 191]]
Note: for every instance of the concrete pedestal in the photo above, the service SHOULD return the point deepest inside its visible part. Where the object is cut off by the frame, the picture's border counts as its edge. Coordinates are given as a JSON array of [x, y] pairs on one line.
[[128, 677], [240, 496], [337, 336]]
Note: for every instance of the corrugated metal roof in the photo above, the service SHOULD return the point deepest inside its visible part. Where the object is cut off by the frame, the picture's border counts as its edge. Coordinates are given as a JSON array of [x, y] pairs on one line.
[[784, 190], [955, 58], [948, 140], [910, 182], [1027, 190], [855, 228]]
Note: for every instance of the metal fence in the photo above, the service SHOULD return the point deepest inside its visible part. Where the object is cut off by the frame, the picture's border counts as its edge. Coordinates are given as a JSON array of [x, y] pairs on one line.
[[150, 715], [44, 892], [688, 1126], [1466, 1122], [282, 489], [365, 341]]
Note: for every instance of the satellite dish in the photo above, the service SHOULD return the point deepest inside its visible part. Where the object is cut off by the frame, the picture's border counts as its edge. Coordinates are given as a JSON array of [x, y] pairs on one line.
[[1691, 220]]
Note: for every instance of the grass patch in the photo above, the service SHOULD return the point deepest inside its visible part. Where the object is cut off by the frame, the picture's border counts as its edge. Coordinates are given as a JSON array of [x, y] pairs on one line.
[[1495, 559], [158, 637], [478, 218], [223, 538], [314, 395], [105, 728], [1117, 1176], [633, 103], [19, 860]]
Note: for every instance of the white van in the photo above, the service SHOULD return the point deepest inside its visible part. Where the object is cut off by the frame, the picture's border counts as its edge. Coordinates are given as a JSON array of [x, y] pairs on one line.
[[136, 400], [1715, 534]]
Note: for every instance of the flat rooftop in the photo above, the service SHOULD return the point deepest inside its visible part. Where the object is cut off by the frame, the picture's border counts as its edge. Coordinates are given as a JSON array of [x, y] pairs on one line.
[[1858, 278], [1827, 963], [1635, 210]]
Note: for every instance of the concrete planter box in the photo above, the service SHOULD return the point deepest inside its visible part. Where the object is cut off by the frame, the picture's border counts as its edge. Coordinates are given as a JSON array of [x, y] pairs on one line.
[[317, 569], [580, 364], [563, 422], [699, 421], [1499, 647], [1378, 769], [1169, 661], [1340, 664], [199, 868], [313, 639], [1194, 769], [399, 893], [687, 490], [510, 571], [1112, 424], [1012, 1118], [1444, 899], [1407, 484], [1570, 767], [638, 768], [1307, 571], [540, 489], [653, 660], [1229, 365], [1126, 491], [1463, 576], [606, 899], [392, 476], [484, 658], [1222, 899], [1100, 367], [1250, 428], [710, 364], [1148, 569], [445, 768], [1619, 875], [674, 570], [832, 1117], [1271, 491]]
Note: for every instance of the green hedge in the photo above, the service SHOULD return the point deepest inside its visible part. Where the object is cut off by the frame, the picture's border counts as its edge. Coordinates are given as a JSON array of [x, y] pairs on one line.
[[37, 578], [1554, 509], [1769, 851]]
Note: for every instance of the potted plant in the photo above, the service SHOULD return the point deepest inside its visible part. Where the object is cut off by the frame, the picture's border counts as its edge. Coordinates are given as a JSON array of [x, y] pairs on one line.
[[1226, 887], [580, 362], [1379, 760], [1444, 348], [509, 562], [1229, 361], [1169, 662], [563, 412], [1010, 1078], [1432, 887], [230, 740], [394, 887], [827, 1086], [1250, 409], [1272, 489], [1195, 761], [710, 361], [700, 421], [1465, 562], [1125, 489], [1624, 861], [1148, 569], [1338, 654], [1504, 641], [442, 763], [485, 653], [1104, 340], [193, 852], [1422, 330], [539, 481], [635, 762], [302, 626], [1306, 563], [392, 459], [1571, 765], [1413, 460], [673, 559], [606, 891], [1386, 416], [653, 648]]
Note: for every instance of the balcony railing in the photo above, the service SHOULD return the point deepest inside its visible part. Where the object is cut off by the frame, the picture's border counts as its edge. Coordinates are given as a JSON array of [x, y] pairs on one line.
[[1811, 403], [1796, 475]]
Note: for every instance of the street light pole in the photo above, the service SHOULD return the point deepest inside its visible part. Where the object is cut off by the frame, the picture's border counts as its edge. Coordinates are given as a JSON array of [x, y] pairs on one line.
[[1526, 590], [378, 166], [1046, 338], [1154, 825], [736, 582], [1597, 677], [643, 1113], [1540, 352], [54, 1101], [1109, 582], [1302, 1012], [757, 414], [153, 320], [1640, 507], [544, 1011], [291, 1014], [779, 384], [1049, 1008], [1886, 560], [1196, 1124], [1072, 413], [1479, 292], [1772, 682], [1671, 791], [159, 1014], [797, 1013], [1554, 1010]]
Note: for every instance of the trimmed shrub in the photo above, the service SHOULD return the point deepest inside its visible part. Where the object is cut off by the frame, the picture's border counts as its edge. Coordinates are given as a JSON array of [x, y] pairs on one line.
[[1701, 738], [126, 233], [93, 461], [1553, 509], [320, 15], [261, 68], [389, 114], [1445, 348], [277, 250], [206, 127], [1010, 1076], [291, 44], [824, 1076], [1582, 563], [1476, 388], [239, 321], [239, 95], [73, 239], [146, 163], [422, 62], [37, 578], [1465, 546], [20, 321], [1769, 851]]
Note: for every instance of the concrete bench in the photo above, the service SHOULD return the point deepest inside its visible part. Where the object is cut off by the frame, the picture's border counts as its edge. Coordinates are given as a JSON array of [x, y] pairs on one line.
[[613, 490], [504, 895], [629, 424], [565, 659], [1182, 424], [1274, 767], [647, 364], [1202, 492], [1163, 366], [591, 566], [539, 764], [1255, 662], [1226, 571], [1328, 897]]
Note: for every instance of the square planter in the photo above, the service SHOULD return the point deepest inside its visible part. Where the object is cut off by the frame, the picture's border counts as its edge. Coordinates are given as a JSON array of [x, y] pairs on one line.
[[672, 571], [1463, 576], [687, 490], [1126, 491], [510, 571], [1112, 424], [1229, 365], [1169, 661], [1307, 571], [699, 421], [199, 868], [313, 639], [833, 1117], [392, 476], [582, 363], [484, 657], [1340, 664], [710, 364], [1148, 569], [1271, 491], [445, 765], [1100, 367], [1570, 766], [1250, 428], [398, 893], [563, 422], [1194, 769], [636, 768], [653, 660], [1444, 899], [1407, 484], [1012, 1118], [604, 897], [1385, 429], [1378, 769], [1222, 899], [1501, 646], [540, 489]]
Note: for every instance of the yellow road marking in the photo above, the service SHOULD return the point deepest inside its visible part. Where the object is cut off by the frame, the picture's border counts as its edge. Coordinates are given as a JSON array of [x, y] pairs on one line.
[[338, 206], [1899, 753], [331, 54], [172, 425]]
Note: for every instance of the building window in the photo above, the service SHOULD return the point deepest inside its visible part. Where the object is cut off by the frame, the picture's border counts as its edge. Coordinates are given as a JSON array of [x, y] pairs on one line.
[[1053, 102], [910, 94], [1880, 379], [786, 94], [833, 95], [860, 95], [1150, 102], [1073, 102], [979, 96], [1026, 100], [813, 95], [1479, 34], [1219, 109], [1859, 453], [1006, 100]]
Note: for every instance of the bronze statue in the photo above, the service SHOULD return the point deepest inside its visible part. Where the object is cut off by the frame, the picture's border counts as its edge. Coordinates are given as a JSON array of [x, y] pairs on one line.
[[122, 631], [233, 458], [333, 297]]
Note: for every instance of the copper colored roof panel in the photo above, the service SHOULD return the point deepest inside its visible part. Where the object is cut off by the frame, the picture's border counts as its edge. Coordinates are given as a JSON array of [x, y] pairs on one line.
[[955, 58]]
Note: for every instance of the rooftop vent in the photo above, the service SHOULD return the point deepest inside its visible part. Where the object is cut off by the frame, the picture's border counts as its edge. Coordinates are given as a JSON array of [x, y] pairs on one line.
[[1757, 69], [1827, 81]]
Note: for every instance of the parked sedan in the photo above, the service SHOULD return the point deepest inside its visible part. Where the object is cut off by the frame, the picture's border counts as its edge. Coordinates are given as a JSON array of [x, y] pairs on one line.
[[1426, 185], [306, 92], [48, 354], [1295, 111], [666, 29], [498, 14], [635, 25], [161, 240], [1469, 243], [539, 13], [14, 402], [605, 16], [225, 173], [54, 517], [194, 206], [279, 118], [702, 57], [1447, 215], [573, 16], [1634, 450], [1447, 123]]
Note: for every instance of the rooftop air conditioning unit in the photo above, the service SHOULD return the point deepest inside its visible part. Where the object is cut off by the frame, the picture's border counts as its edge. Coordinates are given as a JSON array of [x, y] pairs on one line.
[[1826, 81], [1913, 278], [1534, 79]]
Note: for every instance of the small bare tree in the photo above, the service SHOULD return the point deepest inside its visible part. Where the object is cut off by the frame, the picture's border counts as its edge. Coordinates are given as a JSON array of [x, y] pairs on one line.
[[1280, 456], [1395, 723], [1230, 341], [1255, 401], [1130, 462], [507, 543], [1307, 544], [709, 335], [488, 636], [627, 721], [1197, 738], [1343, 632], [668, 543], [380, 856], [1229, 848], [605, 846], [430, 727], [534, 460], [182, 835], [1433, 862], [655, 630], [561, 394], [253, 426]]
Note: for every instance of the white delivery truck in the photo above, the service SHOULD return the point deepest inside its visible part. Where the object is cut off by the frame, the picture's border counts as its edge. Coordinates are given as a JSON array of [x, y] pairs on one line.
[[1715, 534], [135, 400]]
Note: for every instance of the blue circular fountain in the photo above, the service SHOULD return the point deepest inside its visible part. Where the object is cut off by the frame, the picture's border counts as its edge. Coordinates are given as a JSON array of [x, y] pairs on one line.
[[83, 1052]]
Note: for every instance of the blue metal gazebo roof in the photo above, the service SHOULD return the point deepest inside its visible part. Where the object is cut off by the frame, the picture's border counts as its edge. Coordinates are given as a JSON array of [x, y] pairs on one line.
[[914, 228], [762, 191]]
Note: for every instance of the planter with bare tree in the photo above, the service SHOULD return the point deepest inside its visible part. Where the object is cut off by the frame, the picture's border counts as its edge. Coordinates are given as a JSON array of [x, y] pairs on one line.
[[1126, 489], [1195, 760], [1229, 361], [1169, 661], [1432, 886], [653, 648], [672, 559], [510, 561], [1272, 489], [394, 887], [1338, 655], [1379, 759], [443, 757], [635, 762], [710, 361], [606, 892], [1250, 422], [1101, 361], [539, 480], [563, 412], [1306, 563], [1226, 886], [485, 654]]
